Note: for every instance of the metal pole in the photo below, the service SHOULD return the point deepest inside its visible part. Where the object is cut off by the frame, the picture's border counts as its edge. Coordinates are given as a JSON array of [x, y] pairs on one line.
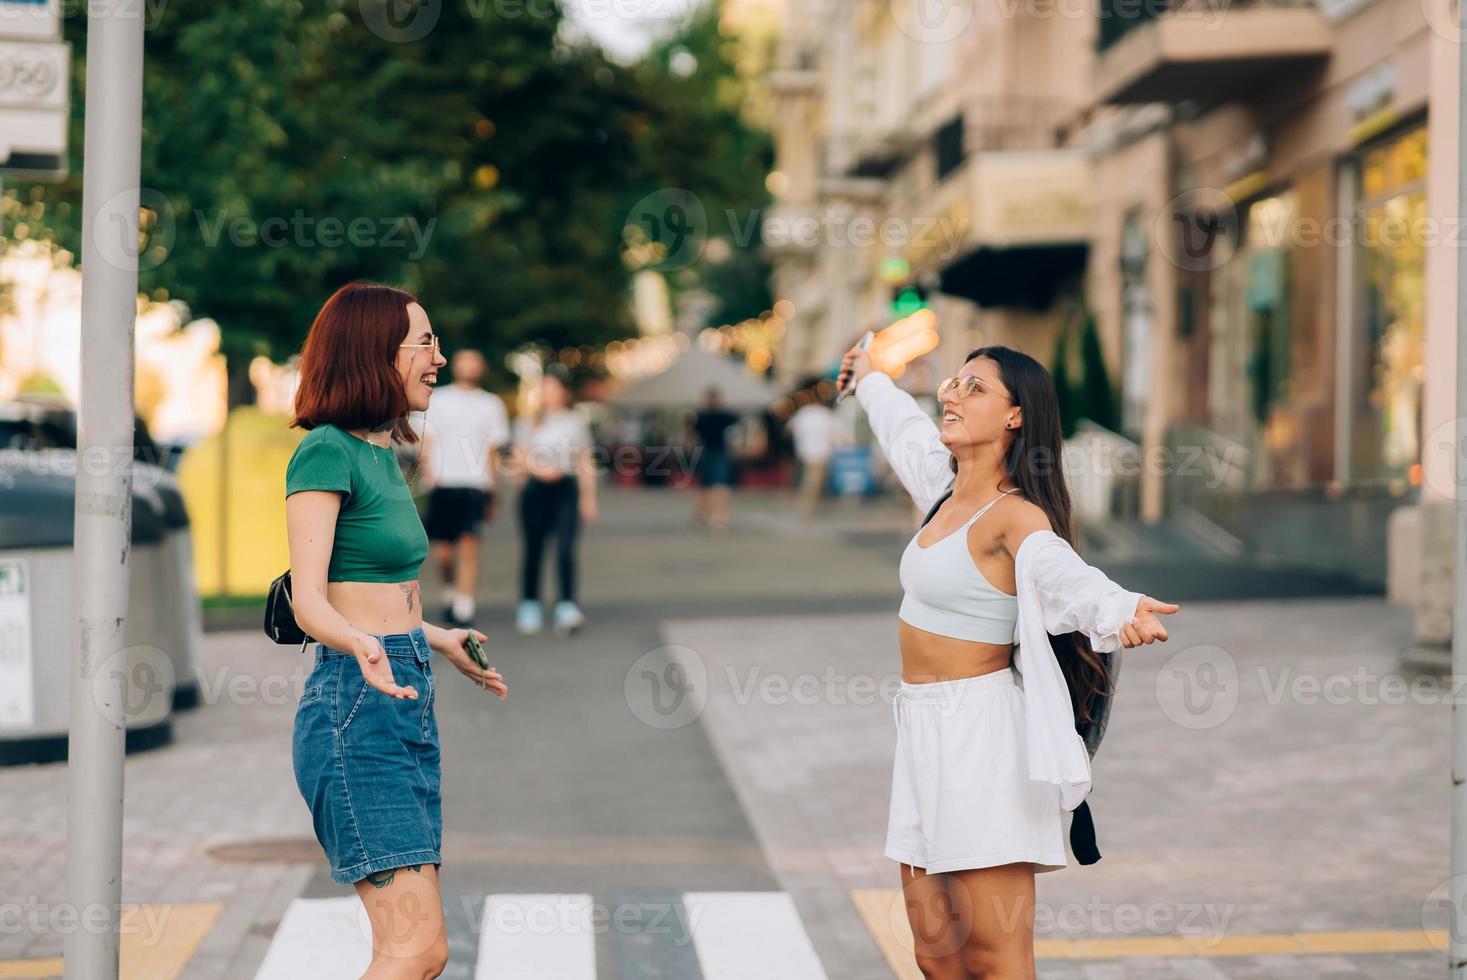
[[110, 192], [1457, 883]]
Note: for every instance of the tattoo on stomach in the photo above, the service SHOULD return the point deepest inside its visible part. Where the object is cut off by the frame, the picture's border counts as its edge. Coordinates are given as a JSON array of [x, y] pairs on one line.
[[410, 593]]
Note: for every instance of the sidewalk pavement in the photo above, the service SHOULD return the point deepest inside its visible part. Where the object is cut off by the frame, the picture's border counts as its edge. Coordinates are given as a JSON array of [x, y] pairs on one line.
[[1267, 773], [1263, 781]]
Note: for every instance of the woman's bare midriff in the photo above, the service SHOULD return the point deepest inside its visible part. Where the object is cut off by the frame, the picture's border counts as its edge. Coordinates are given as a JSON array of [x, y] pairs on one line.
[[928, 658], [378, 607]]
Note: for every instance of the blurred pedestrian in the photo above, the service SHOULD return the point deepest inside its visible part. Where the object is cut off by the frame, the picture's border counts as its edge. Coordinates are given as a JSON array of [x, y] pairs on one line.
[[356, 545], [714, 469], [553, 451], [463, 430], [813, 429], [985, 769]]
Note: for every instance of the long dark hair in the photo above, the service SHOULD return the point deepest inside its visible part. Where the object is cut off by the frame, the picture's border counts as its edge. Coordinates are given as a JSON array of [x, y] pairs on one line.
[[1033, 462]]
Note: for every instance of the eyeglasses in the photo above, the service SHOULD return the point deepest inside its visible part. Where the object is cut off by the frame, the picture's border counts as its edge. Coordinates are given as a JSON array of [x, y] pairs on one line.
[[965, 387], [436, 346]]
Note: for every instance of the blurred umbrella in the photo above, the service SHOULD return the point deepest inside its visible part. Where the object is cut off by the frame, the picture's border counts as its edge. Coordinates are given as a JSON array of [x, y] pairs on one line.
[[687, 380]]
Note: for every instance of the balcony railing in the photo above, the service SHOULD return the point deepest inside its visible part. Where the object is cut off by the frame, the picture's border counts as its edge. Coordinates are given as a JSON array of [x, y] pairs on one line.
[[1016, 122]]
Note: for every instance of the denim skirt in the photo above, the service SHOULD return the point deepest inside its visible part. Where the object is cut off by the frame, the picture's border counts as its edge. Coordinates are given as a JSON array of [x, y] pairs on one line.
[[367, 763]]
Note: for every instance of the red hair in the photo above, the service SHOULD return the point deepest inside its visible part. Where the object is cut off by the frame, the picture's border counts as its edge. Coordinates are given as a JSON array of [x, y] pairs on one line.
[[348, 373]]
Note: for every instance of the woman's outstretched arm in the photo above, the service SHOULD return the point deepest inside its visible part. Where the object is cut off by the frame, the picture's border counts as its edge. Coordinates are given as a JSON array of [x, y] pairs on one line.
[[907, 435]]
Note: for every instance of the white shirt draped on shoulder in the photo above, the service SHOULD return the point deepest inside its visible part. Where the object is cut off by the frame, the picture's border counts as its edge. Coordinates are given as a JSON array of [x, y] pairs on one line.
[[1058, 592]]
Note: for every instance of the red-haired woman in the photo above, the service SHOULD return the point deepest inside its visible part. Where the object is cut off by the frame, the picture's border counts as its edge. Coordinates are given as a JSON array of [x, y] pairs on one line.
[[986, 766], [365, 745]]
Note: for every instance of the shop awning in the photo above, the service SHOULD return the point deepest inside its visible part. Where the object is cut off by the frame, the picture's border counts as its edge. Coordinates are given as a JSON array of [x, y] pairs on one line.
[[1025, 276], [687, 380]]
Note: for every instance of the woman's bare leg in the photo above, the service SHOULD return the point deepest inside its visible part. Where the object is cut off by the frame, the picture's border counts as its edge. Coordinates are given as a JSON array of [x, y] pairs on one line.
[[409, 941], [998, 906], [938, 935]]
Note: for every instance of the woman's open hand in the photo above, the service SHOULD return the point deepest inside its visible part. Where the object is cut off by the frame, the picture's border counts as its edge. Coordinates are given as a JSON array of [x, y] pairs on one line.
[[377, 668], [455, 651], [1147, 627]]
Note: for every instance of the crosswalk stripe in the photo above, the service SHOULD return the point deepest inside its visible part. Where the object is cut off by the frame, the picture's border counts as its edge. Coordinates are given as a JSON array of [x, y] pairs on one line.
[[529, 937], [657, 933], [322, 938], [750, 934]]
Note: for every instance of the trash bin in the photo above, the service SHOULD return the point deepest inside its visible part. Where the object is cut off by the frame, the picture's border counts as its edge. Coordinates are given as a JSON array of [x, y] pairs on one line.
[[181, 626], [37, 613]]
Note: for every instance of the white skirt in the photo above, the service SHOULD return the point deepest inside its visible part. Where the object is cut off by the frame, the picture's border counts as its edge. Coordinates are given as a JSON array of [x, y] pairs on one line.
[[961, 796]]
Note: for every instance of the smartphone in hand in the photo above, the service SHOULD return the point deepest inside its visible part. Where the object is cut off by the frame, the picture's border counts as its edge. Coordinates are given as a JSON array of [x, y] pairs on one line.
[[476, 650], [846, 385]]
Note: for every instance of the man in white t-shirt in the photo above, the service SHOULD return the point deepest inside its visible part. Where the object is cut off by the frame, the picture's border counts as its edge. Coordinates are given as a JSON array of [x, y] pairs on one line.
[[813, 429], [463, 430]]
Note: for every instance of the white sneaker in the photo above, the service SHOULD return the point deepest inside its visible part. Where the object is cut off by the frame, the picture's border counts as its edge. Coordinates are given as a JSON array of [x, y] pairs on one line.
[[528, 618], [568, 618]]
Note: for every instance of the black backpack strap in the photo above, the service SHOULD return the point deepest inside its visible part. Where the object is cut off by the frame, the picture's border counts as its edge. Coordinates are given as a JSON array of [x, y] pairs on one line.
[[1082, 835], [933, 510]]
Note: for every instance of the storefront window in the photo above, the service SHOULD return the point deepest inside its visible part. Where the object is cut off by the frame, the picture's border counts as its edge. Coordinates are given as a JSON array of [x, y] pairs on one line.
[[1390, 336], [1250, 358]]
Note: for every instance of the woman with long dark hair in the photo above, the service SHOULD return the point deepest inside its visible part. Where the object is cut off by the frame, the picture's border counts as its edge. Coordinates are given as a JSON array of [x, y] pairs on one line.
[[365, 745], [1005, 635]]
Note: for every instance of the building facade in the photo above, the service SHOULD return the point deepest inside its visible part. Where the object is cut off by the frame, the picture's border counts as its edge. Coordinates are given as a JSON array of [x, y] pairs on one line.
[[1249, 198], [933, 160]]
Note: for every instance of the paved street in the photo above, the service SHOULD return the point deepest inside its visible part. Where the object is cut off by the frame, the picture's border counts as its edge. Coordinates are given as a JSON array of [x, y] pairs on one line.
[[697, 787]]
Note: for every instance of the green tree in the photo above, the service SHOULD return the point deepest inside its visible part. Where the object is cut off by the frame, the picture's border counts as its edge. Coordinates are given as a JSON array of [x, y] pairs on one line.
[[290, 147]]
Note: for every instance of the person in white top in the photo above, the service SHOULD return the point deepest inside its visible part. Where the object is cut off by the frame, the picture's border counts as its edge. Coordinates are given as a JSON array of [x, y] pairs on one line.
[[462, 432], [558, 495], [813, 429], [1002, 626]]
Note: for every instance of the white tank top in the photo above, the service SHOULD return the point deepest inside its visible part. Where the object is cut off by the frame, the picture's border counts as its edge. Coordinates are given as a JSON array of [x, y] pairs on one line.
[[946, 594]]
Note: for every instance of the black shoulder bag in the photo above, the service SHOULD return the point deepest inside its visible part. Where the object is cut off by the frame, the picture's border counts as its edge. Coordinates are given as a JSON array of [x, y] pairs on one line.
[[280, 624], [1082, 824]]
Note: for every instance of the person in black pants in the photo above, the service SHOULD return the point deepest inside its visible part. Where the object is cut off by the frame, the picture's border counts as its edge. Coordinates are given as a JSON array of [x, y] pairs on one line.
[[553, 449], [715, 466]]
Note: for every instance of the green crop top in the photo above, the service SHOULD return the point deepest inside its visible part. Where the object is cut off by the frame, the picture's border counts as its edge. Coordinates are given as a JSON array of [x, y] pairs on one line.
[[379, 535]]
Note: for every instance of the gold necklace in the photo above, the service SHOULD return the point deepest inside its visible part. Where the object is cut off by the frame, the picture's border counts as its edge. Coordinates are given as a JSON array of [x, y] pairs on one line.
[[417, 464]]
